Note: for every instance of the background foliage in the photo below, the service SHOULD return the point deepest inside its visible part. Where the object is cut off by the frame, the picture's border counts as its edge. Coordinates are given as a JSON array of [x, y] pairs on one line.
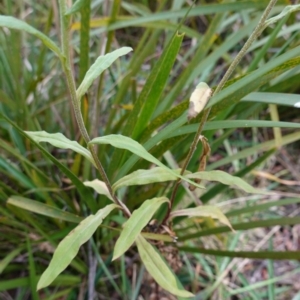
[[252, 131]]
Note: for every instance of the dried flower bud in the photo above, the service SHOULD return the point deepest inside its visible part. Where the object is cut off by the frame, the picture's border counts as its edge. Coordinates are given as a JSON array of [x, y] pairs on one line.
[[198, 99]]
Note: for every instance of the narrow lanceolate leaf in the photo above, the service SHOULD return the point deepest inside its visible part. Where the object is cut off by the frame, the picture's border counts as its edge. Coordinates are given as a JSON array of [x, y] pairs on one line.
[[60, 141], [99, 186], [101, 64], [138, 220], [69, 246], [273, 98], [85, 193], [198, 100], [13, 23], [278, 255], [141, 177], [158, 269], [227, 179], [75, 7], [242, 226], [124, 142], [203, 211], [43, 209], [149, 97], [8, 258]]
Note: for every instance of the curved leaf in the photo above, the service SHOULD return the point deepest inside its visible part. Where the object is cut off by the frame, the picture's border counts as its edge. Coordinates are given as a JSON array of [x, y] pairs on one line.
[[101, 64], [158, 269], [203, 211], [60, 141], [124, 142], [84, 192], [43, 209], [134, 225], [225, 178], [141, 177], [99, 186], [14, 23], [69, 246]]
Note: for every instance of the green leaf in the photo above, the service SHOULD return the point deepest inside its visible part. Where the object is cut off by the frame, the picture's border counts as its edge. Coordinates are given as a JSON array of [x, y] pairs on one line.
[[246, 84], [62, 280], [134, 225], [215, 125], [99, 186], [239, 92], [43, 209], [158, 268], [32, 271], [75, 7], [225, 178], [149, 97], [219, 188], [60, 141], [203, 211], [141, 177], [8, 258], [84, 192], [243, 226], [13, 23], [68, 248], [101, 64], [287, 139], [199, 10], [124, 142], [273, 98], [261, 207], [278, 255], [154, 86]]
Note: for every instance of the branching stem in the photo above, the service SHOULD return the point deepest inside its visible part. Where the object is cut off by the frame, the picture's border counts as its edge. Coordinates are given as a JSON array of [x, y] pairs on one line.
[[66, 64]]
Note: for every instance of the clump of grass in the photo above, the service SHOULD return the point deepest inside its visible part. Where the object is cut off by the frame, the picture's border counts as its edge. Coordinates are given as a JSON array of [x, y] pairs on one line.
[[33, 186]]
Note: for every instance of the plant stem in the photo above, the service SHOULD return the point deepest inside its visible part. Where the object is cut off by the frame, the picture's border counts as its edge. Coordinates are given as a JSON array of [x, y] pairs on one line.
[[257, 31], [66, 63]]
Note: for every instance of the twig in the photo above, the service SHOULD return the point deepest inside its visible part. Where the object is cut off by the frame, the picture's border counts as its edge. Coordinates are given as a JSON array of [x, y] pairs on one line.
[[65, 41]]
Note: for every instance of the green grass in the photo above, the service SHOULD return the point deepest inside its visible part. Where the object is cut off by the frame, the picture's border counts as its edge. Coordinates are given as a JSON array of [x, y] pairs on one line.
[[253, 125]]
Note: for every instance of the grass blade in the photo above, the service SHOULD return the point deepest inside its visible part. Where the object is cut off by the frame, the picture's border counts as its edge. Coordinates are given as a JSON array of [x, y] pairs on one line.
[[43, 209], [276, 255]]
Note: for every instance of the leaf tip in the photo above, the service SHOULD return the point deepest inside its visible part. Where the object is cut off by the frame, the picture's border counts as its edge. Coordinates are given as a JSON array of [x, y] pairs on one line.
[[114, 258], [40, 285]]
